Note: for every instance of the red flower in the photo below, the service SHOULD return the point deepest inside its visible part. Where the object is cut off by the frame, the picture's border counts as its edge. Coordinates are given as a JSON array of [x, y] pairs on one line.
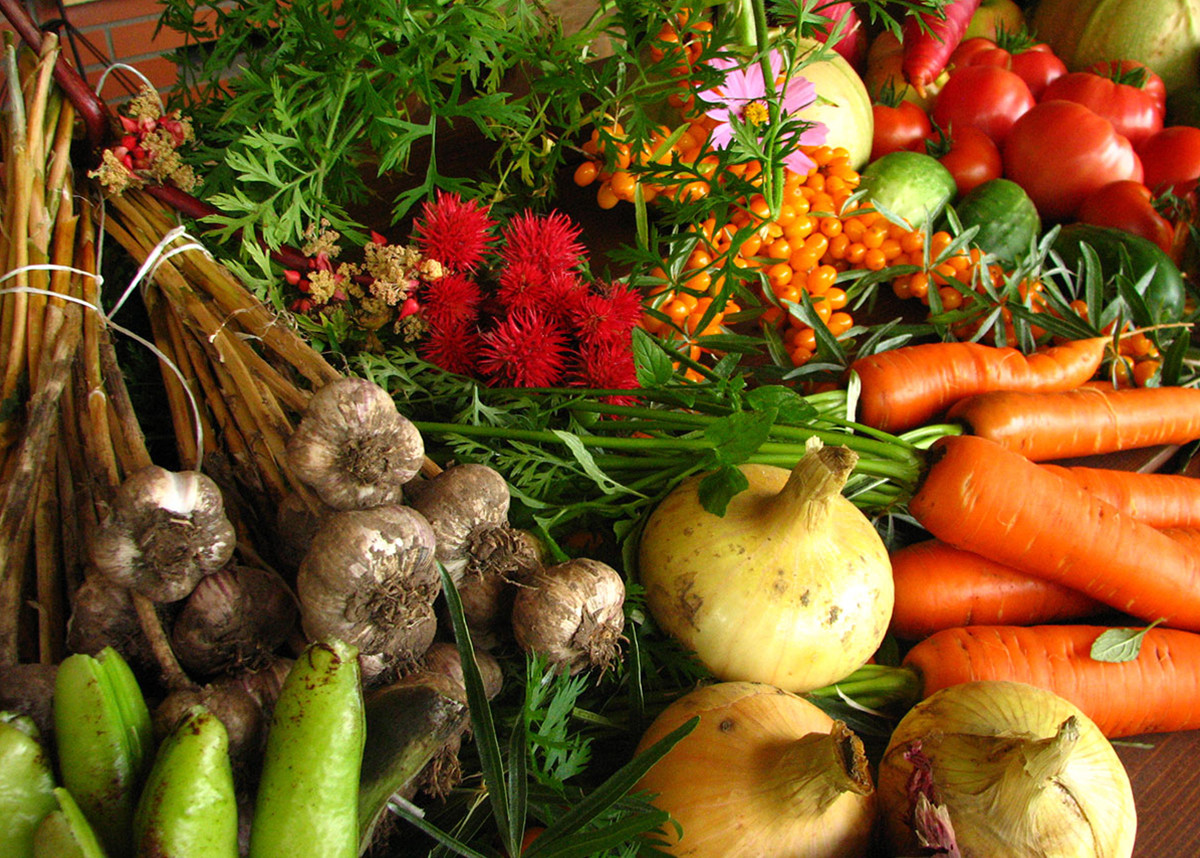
[[606, 317], [608, 366], [545, 241], [454, 347], [451, 299], [525, 349], [455, 233], [522, 285]]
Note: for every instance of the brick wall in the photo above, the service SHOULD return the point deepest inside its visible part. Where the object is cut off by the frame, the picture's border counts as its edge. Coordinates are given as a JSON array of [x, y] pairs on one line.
[[114, 31]]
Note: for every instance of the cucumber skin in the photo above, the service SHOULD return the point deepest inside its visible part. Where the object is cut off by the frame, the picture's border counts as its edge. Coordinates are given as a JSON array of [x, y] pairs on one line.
[[1008, 220], [307, 800]]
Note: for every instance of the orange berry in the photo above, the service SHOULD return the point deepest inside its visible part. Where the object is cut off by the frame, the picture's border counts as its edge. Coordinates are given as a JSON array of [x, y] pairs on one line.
[[586, 173]]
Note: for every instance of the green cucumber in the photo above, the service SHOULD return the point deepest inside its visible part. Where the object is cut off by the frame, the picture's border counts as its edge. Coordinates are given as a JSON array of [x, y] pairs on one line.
[[1008, 220], [1121, 252], [912, 186]]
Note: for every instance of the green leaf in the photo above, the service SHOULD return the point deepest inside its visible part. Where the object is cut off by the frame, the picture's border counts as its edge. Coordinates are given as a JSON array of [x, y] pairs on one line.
[[651, 360], [739, 435], [1117, 645], [719, 487]]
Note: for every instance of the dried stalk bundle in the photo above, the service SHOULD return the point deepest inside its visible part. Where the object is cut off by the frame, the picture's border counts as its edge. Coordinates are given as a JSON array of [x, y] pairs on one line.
[[68, 435], [250, 375]]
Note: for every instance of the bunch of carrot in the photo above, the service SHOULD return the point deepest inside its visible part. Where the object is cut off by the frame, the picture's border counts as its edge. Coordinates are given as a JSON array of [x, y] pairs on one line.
[[1023, 547]]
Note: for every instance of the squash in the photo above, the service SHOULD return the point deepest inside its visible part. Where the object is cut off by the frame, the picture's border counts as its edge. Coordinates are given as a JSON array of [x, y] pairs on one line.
[[842, 103], [1165, 35]]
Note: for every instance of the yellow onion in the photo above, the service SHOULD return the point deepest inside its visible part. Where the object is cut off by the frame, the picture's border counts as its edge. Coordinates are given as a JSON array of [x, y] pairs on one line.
[[1004, 768], [792, 586], [764, 773]]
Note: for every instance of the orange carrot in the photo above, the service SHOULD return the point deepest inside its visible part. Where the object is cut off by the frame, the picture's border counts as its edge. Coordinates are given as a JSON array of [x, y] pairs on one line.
[[930, 39], [907, 386], [939, 586], [1158, 691], [1084, 422], [1160, 500], [978, 496]]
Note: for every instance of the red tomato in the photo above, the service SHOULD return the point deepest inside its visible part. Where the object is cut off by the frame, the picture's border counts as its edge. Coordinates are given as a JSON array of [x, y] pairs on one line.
[[1060, 151], [1172, 159], [904, 126], [988, 97], [1128, 205], [1034, 62], [1134, 73], [969, 154], [1135, 112]]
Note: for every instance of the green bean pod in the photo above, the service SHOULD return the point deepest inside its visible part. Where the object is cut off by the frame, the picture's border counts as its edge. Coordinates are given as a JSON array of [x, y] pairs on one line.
[[65, 832], [105, 740], [307, 800], [26, 784], [188, 806]]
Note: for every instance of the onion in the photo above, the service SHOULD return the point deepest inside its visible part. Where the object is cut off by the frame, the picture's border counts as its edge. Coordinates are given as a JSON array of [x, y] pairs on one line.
[[571, 613], [991, 768], [765, 772], [792, 586]]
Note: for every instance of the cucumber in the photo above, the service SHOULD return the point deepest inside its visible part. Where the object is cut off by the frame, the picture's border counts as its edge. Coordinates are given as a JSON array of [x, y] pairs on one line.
[[909, 185], [1132, 255], [1008, 220]]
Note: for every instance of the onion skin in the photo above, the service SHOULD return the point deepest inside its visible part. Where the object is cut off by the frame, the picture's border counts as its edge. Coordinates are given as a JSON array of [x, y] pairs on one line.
[[1015, 770], [791, 587], [765, 772]]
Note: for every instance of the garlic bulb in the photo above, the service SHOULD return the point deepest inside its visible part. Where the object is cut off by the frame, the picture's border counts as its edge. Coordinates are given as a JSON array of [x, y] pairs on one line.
[[353, 447], [764, 773], [791, 587], [1004, 768], [572, 613], [165, 531], [369, 580]]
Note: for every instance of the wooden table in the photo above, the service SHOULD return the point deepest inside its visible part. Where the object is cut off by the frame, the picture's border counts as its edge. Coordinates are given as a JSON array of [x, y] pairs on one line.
[[1165, 772]]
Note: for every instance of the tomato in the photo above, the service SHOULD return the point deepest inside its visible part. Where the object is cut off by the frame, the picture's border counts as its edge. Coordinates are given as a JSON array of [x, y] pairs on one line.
[[1172, 159], [904, 126], [1032, 61], [988, 97], [969, 154], [1060, 151], [1128, 205], [1127, 94]]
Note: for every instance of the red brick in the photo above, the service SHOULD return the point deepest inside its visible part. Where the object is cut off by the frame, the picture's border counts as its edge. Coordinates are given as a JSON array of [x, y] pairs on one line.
[[161, 72], [139, 38], [104, 12]]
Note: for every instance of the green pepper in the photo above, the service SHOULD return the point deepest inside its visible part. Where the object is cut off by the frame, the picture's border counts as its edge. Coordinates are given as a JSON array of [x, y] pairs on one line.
[[104, 739], [26, 784], [188, 806], [65, 832], [307, 801]]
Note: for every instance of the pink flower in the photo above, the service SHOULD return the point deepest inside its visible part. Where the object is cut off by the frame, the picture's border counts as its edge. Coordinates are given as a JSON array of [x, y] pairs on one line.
[[742, 96]]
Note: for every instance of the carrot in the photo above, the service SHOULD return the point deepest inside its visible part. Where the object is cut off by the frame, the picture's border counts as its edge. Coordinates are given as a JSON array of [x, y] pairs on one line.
[[978, 496], [1084, 422], [907, 386], [938, 586], [1160, 500], [1156, 692], [930, 39]]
